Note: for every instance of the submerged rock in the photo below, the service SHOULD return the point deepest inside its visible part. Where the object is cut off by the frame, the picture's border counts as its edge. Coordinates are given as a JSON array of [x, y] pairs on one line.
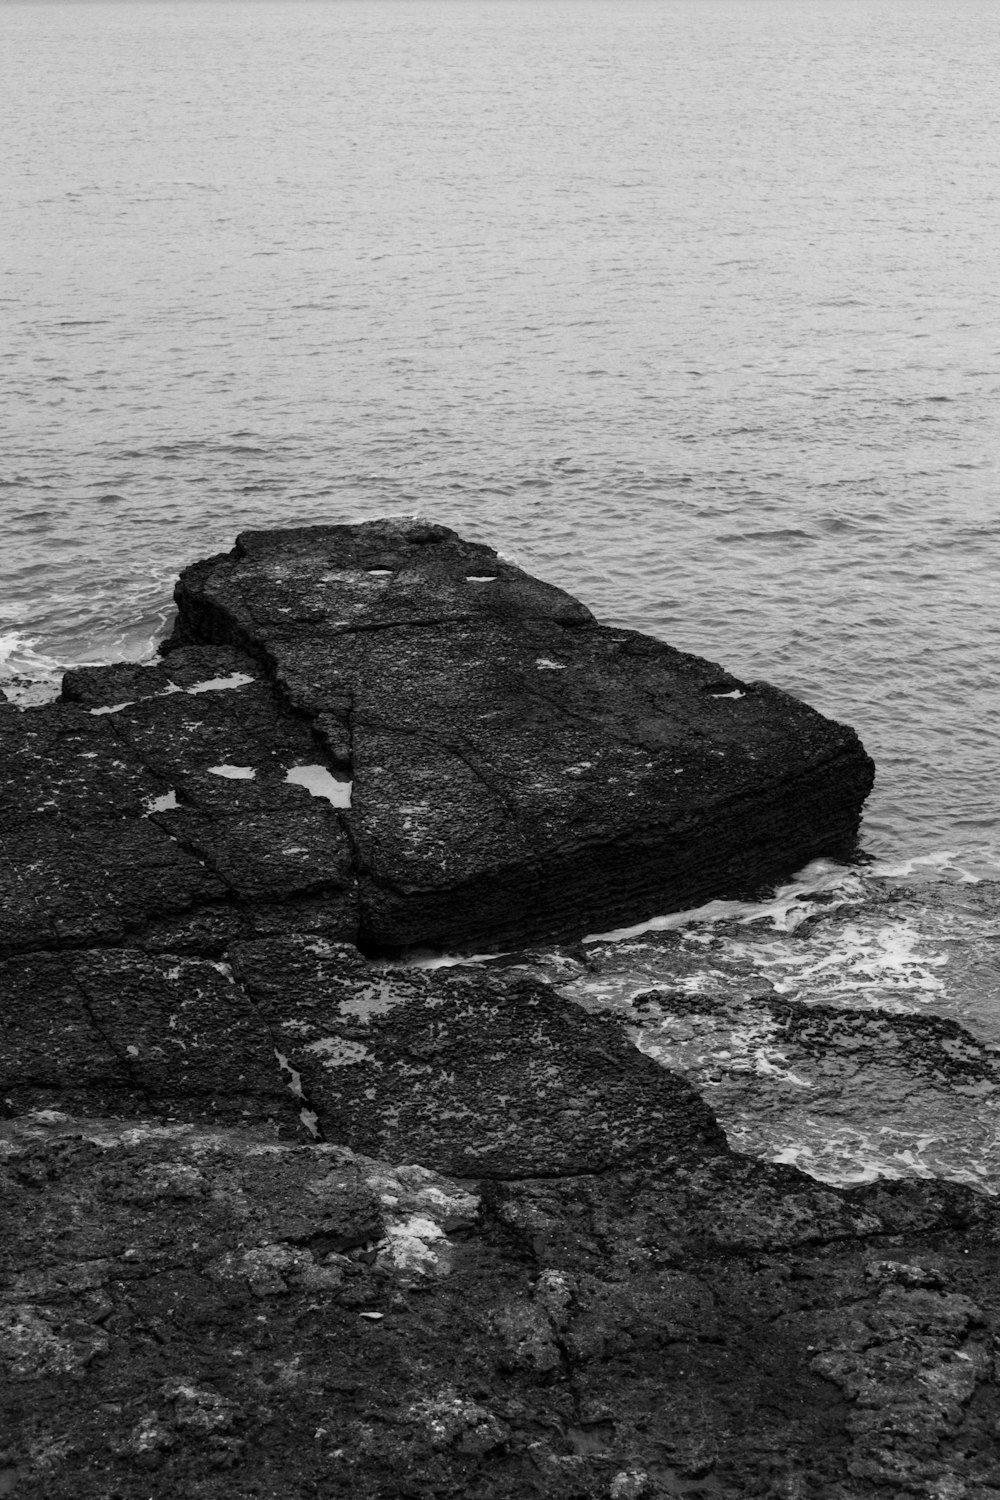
[[836, 1032]]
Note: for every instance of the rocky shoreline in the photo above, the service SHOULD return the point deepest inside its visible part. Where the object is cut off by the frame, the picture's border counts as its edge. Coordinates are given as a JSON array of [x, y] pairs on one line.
[[283, 1218]]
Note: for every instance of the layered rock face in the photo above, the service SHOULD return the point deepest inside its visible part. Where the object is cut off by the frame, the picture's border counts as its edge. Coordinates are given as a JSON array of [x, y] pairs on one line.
[[518, 771]]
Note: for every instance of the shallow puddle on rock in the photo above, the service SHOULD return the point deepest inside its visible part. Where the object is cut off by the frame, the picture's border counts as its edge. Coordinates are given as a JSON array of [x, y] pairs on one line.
[[164, 803], [319, 782], [217, 684], [233, 773]]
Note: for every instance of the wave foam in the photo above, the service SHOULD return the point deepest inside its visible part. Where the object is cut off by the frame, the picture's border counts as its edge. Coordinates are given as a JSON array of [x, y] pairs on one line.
[[787, 909], [965, 866], [27, 676]]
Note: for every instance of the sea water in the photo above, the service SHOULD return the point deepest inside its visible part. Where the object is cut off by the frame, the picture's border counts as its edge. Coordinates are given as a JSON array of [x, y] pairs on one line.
[[689, 306]]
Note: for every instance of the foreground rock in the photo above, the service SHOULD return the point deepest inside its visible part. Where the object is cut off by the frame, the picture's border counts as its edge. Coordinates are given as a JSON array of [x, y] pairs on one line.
[[389, 736], [214, 1313]]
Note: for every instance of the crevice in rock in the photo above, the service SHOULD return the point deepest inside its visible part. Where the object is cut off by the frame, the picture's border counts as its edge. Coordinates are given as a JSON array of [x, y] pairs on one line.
[[196, 854], [125, 1062], [467, 759], [417, 622], [309, 1113]]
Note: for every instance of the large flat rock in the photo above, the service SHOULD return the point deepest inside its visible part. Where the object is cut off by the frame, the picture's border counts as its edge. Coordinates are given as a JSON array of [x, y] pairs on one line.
[[518, 771], [386, 735]]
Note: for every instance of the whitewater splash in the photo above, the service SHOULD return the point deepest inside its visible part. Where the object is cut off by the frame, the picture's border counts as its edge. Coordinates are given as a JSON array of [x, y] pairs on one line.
[[849, 1024], [31, 674], [27, 676]]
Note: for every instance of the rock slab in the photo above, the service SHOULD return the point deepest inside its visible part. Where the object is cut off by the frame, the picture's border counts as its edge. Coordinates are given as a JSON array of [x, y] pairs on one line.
[[392, 737], [517, 770]]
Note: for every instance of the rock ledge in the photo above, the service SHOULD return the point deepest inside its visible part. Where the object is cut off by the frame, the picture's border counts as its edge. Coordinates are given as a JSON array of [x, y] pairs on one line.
[[518, 771]]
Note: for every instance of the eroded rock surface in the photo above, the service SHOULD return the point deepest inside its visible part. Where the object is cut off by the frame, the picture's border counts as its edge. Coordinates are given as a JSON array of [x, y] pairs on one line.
[[211, 1312], [471, 1073]]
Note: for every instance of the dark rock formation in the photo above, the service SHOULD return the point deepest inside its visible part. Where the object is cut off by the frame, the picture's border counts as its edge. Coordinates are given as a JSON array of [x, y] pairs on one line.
[[469, 1073], [389, 736], [214, 1314], [124, 817], [518, 770], [282, 1222]]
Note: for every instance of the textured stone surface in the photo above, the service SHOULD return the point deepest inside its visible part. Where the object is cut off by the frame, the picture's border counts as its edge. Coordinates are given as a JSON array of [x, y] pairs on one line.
[[503, 767], [519, 770], [494, 1075], [216, 1313], [280, 1221], [472, 1073], [121, 820]]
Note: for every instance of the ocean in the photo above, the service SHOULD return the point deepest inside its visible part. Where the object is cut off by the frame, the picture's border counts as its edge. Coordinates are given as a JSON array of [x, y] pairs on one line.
[[689, 306]]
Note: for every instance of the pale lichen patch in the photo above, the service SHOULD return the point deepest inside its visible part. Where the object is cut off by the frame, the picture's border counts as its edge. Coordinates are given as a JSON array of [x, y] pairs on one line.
[[338, 1051]]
